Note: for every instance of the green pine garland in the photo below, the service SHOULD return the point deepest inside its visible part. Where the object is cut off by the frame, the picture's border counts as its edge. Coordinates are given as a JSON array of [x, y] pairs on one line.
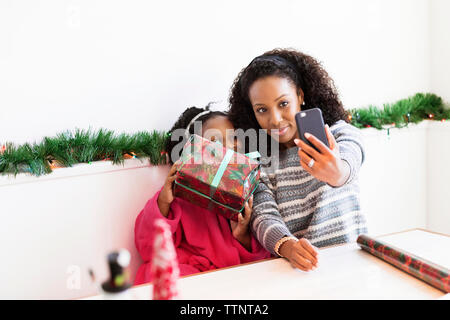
[[67, 148]]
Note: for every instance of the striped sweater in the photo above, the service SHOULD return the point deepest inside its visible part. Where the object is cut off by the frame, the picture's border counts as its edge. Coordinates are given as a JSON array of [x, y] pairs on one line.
[[290, 202]]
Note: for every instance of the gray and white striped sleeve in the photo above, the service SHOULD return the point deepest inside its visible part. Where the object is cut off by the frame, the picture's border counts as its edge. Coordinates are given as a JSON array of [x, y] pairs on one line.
[[351, 147], [266, 222]]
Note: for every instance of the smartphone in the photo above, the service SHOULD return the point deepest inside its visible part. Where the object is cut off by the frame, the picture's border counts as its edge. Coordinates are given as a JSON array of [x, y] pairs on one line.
[[311, 121]]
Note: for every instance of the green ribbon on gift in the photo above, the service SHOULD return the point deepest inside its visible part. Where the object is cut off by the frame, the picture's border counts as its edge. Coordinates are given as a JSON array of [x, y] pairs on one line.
[[253, 155], [223, 166]]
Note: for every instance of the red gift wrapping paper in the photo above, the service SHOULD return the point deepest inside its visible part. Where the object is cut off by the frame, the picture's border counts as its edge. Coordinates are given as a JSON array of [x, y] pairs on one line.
[[431, 273], [199, 164]]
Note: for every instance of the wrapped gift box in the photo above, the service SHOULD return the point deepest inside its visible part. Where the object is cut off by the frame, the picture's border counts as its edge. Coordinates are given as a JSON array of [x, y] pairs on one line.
[[216, 178]]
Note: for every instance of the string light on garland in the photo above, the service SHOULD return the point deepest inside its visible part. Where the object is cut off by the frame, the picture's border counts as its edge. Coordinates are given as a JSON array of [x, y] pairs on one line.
[[407, 117], [53, 164], [130, 155]]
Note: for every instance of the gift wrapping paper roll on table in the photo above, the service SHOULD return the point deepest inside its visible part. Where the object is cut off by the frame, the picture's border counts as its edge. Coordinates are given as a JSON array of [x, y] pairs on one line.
[[433, 274]]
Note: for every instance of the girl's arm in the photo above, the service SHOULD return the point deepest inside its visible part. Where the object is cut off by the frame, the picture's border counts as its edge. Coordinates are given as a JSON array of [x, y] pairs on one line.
[[255, 251], [166, 196], [240, 229]]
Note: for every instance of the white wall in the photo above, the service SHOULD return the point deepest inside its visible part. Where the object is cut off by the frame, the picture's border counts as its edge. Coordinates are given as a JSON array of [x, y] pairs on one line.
[[438, 171], [393, 179], [438, 177], [136, 65]]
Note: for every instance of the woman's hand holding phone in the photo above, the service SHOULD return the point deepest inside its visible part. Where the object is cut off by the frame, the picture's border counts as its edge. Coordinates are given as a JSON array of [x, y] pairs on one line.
[[328, 165]]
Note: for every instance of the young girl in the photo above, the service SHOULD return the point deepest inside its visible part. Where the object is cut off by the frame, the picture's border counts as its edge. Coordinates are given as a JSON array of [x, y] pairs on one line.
[[310, 198], [203, 240]]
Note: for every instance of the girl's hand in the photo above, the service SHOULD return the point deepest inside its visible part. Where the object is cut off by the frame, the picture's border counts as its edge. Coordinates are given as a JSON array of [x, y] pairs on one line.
[[240, 228], [328, 165], [301, 254], [166, 196]]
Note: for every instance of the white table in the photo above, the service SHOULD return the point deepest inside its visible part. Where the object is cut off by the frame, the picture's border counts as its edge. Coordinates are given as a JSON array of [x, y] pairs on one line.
[[344, 272]]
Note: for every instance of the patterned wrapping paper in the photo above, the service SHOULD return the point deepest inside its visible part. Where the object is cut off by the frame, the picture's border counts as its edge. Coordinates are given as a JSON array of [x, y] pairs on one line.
[[433, 274], [203, 163], [165, 270]]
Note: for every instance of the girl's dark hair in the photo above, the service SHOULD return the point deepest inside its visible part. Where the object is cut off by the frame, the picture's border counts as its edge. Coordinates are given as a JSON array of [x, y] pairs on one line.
[[303, 70], [182, 123]]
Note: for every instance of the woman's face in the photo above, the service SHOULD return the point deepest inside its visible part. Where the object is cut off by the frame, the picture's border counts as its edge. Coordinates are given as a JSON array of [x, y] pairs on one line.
[[275, 102]]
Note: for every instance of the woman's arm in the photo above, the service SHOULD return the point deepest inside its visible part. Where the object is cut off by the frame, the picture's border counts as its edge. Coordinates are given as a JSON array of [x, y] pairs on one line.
[[266, 223], [351, 147], [271, 231]]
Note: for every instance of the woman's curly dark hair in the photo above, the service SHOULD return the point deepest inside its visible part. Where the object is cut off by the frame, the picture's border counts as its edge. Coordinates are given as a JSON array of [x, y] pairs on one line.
[[318, 88], [183, 122]]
